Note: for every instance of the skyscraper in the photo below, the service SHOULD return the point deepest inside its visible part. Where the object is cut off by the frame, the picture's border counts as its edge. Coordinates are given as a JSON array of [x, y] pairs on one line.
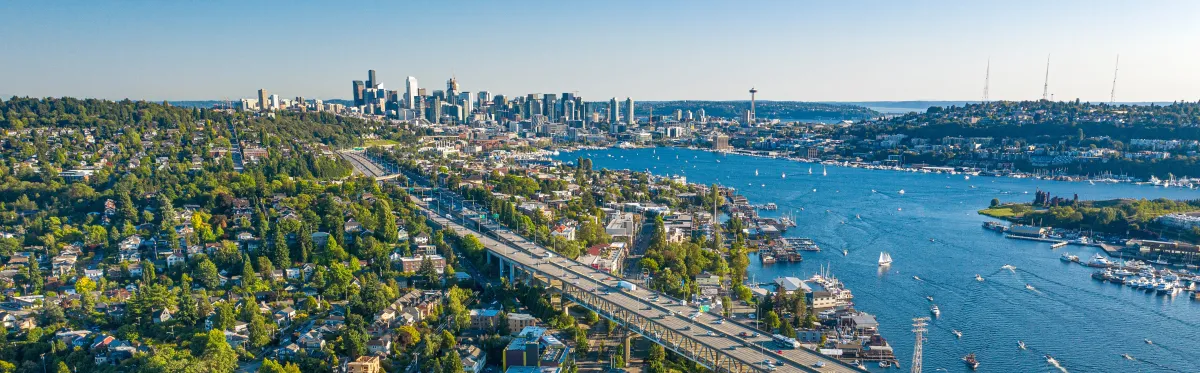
[[371, 82], [410, 92], [614, 110], [629, 107], [359, 89], [262, 99]]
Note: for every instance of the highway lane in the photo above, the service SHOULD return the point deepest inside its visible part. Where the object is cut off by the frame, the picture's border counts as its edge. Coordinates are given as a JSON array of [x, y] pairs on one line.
[[674, 314]]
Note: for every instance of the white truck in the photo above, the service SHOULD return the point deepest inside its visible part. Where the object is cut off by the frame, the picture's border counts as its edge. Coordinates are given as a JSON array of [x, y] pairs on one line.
[[626, 286]]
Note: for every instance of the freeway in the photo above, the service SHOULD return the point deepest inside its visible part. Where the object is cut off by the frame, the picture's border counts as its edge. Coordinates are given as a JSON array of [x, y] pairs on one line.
[[733, 339], [736, 340]]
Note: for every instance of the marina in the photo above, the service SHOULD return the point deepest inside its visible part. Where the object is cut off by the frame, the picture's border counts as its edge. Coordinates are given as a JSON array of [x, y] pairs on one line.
[[1063, 305]]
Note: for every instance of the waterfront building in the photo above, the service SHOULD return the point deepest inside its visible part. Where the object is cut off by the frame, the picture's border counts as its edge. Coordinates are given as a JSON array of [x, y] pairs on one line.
[[629, 106]]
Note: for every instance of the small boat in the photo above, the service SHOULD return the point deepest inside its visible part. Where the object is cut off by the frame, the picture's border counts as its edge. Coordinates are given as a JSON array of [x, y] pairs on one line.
[[1149, 342], [1067, 257], [885, 364], [1021, 345], [931, 240], [936, 312], [783, 176], [930, 298], [1030, 287], [1058, 244], [957, 333], [1127, 356], [823, 171], [916, 278], [885, 259], [1009, 267], [978, 277], [1050, 359], [971, 362], [845, 252], [902, 191], [756, 172], [810, 170]]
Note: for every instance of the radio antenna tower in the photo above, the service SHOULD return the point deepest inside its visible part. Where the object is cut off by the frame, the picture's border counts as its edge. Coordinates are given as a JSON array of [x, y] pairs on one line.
[[1046, 85], [1112, 98], [919, 329], [987, 80]]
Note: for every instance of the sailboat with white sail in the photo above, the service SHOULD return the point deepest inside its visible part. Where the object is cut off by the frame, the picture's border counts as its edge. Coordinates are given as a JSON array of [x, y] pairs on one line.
[[810, 170], [823, 171], [885, 259]]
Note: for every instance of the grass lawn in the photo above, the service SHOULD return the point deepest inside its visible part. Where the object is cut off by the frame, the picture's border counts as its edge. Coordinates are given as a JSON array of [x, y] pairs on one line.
[[378, 142], [999, 212]]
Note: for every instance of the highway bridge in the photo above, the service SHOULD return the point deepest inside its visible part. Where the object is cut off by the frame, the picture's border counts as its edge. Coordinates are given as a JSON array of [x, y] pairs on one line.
[[720, 344], [723, 345]]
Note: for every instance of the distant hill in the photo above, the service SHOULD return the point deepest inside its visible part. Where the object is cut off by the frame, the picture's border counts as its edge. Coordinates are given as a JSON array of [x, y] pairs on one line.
[[782, 110]]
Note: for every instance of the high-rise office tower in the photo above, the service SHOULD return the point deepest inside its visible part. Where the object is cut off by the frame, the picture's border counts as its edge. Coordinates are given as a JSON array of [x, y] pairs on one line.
[[262, 99], [274, 102], [467, 102], [371, 82], [550, 106], [452, 91], [629, 107], [410, 92], [359, 90], [485, 98], [614, 110]]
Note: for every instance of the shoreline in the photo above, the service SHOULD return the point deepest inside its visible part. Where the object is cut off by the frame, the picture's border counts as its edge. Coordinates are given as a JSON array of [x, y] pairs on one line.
[[1191, 183]]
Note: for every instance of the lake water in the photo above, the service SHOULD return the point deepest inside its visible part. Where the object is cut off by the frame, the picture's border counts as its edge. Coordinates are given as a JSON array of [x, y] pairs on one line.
[[1085, 324]]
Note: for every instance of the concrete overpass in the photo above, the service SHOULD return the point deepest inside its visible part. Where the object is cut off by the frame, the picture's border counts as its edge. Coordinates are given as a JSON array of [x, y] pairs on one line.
[[704, 337]]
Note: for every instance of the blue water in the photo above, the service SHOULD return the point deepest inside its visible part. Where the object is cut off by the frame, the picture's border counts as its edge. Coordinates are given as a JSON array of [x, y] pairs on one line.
[[1083, 323]]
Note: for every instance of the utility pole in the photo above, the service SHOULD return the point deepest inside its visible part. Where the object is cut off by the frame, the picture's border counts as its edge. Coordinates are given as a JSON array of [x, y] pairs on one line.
[[919, 329]]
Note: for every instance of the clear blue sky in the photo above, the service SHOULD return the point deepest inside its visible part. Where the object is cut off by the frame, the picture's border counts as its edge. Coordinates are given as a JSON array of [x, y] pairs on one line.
[[650, 50]]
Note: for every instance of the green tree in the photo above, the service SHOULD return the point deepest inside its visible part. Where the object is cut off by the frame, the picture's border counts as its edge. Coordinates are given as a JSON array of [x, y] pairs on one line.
[[771, 320], [216, 355], [206, 273], [260, 332]]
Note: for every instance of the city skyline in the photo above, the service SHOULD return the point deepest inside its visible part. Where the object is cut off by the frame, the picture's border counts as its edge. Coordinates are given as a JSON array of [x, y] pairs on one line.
[[670, 51]]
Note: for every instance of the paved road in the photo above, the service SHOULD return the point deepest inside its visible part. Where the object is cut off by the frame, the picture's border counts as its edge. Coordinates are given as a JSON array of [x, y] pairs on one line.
[[739, 341], [725, 335]]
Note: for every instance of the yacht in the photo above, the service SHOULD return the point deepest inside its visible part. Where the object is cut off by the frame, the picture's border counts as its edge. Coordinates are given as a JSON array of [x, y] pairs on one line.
[[971, 362], [1098, 261], [1067, 257], [1030, 287], [957, 333], [1165, 287], [930, 298], [1127, 356], [936, 312], [978, 277], [902, 191], [1149, 342], [916, 278], [885, 259]]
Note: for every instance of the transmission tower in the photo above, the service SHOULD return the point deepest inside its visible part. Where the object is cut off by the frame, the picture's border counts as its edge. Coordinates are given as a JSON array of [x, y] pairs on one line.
[[987, 80], [1046, 85], [1112, 98], [919, 330]]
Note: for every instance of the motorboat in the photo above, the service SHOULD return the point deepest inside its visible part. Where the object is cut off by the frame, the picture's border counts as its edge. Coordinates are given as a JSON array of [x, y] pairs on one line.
[[971, 361], [956, 333], [1098, 261], [885, 364], [1009, 267], [1127, 356], [1148, 341], [916, 278], [1021, 345], [1067, 257], [978, 277], [1030, 287], [936, 312], [930, 298]]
